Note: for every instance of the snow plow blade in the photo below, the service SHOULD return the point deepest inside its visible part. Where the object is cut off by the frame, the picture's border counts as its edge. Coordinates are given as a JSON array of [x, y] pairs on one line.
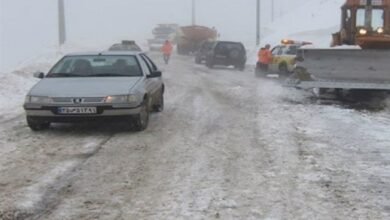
[[342, 69]]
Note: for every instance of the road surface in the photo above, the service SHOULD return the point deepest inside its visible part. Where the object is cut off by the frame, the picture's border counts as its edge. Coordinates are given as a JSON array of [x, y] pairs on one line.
[[227, 146]]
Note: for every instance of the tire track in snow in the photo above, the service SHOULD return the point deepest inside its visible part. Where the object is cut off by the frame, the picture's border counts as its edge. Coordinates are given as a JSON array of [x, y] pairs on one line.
[[42, 196]]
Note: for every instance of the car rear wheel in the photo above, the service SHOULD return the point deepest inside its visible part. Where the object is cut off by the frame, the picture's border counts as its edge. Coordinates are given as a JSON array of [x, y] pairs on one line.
[[36, 124], [141, 120], [240, 67], [283, 69], [209, 63]]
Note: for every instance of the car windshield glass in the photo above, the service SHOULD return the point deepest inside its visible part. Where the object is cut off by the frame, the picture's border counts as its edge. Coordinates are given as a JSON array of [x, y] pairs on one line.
[[231, 46], [376, 20], [96, 66], [275, 51], [292, 50], [125, 47]]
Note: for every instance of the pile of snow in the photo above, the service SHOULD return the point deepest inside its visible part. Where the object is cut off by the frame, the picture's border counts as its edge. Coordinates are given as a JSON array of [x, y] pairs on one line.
[[15, 85], [313, 21]]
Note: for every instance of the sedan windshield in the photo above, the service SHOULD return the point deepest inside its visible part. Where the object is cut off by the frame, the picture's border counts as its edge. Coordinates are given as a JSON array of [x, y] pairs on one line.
[[96, 66]]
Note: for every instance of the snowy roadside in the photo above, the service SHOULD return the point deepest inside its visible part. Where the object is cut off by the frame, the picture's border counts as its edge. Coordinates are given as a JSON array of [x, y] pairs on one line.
[[332, 157], [15, 85]]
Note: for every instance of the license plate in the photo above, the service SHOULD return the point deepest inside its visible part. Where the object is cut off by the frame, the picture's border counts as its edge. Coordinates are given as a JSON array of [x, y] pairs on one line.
[[77, 110]]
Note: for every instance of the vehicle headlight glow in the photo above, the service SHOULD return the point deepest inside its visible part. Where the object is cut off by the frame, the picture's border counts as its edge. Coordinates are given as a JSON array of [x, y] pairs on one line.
[[38, 99], [380, 30], [362, 31], [121, 99]]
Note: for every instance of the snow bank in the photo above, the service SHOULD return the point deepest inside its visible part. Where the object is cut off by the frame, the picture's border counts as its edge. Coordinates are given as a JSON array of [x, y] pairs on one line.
[[15, 85], [313, 21]]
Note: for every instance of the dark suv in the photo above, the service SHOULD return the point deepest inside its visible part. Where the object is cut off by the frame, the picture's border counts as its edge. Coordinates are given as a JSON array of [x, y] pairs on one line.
[[227, 53]]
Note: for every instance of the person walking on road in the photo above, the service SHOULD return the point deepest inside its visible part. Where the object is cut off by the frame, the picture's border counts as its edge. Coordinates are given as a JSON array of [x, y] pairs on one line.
[[166, 49], [264, 59]]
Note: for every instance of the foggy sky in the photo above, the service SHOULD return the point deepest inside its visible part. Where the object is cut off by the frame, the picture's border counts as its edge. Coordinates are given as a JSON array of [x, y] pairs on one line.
[[29, 27]]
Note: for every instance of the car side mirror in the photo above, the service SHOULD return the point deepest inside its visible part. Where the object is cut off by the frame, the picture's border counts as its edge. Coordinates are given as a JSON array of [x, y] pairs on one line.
[[155, 74], [39, 75]]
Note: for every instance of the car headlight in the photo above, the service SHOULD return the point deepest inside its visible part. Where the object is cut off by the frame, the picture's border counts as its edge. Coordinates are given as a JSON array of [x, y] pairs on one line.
[[362, 31], [380, 30], [121, 99], [38, 99]]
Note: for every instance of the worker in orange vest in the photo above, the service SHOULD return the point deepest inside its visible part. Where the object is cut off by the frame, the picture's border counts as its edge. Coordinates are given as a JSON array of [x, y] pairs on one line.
[[264, 59], [166, 49]]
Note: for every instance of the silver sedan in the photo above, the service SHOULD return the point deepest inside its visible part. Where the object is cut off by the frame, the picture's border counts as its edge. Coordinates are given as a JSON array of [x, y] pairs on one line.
[[107, 85]]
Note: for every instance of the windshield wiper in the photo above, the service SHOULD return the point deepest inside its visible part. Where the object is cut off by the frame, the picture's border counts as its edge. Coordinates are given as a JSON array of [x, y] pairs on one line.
[[107, 74], [64, 75]]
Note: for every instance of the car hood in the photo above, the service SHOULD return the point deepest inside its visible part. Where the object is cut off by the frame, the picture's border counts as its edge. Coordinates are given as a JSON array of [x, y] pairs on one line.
[[84, 87]]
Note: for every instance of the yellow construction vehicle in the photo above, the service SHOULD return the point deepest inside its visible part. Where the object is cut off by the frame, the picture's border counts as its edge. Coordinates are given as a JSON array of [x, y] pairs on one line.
[[365, 24]]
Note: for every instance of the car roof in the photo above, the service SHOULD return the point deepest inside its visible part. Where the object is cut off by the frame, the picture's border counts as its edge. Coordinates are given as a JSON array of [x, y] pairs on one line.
[[289, 45], [231, 42], [132, 53]]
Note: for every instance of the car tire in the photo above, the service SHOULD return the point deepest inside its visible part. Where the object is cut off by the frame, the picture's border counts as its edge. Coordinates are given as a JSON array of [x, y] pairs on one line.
[[160, 106], [209, 63], [283, 69], [240, 67], [141, 120], [258, 73], [179, 50], [36, 124], [198, 60]]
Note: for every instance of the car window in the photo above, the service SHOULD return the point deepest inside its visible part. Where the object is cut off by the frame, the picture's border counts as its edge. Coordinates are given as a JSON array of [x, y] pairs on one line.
[[152, 67], [276, 50], [282, 50], [226, 47], [207, 46], [231, 46], [145, 67], [96, 66], [292, 50], [220, 48]]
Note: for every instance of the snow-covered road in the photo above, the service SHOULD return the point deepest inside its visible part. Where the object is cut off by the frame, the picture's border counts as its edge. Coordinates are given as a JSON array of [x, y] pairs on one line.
[[227, 146]]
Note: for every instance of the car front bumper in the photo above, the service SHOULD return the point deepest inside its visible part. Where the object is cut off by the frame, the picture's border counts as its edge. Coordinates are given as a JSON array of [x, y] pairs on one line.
[[50, 113]]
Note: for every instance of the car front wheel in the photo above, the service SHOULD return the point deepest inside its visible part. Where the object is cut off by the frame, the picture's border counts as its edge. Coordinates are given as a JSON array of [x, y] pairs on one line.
[[141, 120], [160, 106], [36, 124]]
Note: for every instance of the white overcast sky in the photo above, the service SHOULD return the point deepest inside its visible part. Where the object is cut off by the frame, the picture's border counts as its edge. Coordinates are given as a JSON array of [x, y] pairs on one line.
[[29, 27]]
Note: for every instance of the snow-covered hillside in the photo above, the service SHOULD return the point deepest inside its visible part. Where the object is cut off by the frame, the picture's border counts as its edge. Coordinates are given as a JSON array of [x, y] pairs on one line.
[[15, 85], [313, 21], [28, 28]]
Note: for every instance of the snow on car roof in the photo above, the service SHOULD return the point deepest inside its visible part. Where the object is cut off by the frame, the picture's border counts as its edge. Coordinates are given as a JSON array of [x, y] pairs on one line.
[[105, 53]]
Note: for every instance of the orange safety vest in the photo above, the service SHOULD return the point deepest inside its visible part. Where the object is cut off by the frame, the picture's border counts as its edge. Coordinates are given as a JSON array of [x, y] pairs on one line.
[[167, 48], [265, 56]]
